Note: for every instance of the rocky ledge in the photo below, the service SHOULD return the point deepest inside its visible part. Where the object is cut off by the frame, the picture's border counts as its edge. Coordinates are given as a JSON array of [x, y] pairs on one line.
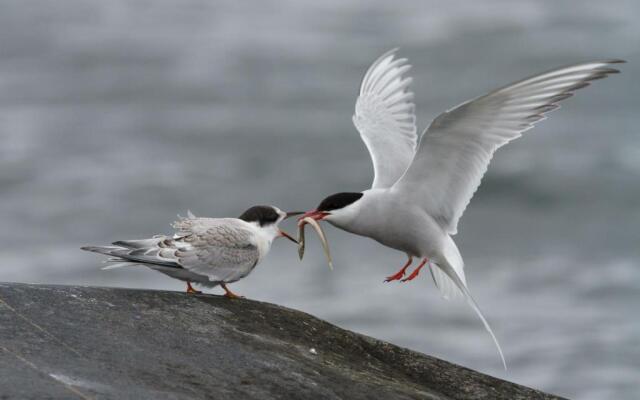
[[64, 342]]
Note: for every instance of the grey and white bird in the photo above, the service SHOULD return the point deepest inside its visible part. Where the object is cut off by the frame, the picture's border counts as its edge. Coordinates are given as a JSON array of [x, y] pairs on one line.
[[205, 251], [420, 190]]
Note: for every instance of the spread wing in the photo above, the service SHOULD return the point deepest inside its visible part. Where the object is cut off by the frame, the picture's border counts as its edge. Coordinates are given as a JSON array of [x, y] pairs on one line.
[[456, 149], [385, 118]]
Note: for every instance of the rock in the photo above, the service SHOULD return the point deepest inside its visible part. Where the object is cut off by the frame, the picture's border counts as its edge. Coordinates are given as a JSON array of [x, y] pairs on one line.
[[66, 342]]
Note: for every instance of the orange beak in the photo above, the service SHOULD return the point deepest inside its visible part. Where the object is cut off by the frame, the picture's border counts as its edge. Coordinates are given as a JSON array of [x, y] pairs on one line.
[[293, 214], [314, 214], [286, 235]]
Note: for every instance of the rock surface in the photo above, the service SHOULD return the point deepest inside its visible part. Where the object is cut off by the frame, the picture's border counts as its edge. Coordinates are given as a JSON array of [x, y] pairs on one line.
[[66, 342]]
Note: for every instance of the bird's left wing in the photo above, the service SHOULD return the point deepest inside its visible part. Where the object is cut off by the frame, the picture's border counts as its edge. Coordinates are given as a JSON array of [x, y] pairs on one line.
[[385, 118], [456, 149], [219, 248]]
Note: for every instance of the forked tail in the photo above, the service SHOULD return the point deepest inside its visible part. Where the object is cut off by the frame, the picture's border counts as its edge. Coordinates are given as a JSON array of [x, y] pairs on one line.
[[136, 252], [445, 267]]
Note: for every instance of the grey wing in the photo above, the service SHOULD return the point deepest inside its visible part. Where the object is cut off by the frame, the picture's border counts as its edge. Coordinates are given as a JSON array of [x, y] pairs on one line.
[[385, 118], [455, 151], [220, 248]]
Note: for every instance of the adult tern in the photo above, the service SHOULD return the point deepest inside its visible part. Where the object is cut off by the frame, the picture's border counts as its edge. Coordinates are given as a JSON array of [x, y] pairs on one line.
[[206, 251], [420, 191]]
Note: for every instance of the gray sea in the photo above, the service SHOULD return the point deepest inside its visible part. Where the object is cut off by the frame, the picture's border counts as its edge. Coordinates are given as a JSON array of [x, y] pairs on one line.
[[117, 115]]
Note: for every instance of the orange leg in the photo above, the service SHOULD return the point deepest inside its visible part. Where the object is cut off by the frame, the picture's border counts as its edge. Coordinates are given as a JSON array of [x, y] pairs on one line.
[[228, 293], [415, 271], [399, 274], [191, 290]]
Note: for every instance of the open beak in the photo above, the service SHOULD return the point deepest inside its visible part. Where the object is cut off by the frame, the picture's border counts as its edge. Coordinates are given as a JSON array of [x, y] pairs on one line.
[[313, 214], [286, 235], [312, 217]]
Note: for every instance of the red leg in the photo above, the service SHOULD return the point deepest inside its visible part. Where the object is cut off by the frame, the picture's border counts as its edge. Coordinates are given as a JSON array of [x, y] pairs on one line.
[[415, 271], [191, 290], [399, 274], [228, 293]]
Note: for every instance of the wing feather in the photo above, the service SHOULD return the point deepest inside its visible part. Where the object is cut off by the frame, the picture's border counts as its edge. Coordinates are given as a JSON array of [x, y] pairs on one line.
[[221, 249], [384, 116], [456, 149]]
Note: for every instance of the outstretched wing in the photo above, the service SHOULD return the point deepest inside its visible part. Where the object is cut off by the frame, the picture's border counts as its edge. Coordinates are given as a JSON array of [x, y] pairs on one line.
[[385, 118], [456, 149]]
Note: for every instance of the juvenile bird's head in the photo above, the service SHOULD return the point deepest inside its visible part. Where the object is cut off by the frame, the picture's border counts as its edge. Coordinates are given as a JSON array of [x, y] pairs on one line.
[[267, 218]]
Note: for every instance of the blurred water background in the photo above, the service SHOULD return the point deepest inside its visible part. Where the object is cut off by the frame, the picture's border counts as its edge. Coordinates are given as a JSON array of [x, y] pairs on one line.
[[117, 115]]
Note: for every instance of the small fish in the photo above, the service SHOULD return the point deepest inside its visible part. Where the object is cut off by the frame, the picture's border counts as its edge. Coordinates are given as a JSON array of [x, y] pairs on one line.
[[320, 232], [301, 241]]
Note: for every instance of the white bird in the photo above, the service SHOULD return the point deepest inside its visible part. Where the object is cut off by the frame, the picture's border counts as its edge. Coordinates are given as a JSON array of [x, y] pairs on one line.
[[420, 191], [206, 251]]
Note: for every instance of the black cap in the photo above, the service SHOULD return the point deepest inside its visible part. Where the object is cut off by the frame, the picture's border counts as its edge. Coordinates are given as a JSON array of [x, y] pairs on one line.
[[263, 215], [338, 201]]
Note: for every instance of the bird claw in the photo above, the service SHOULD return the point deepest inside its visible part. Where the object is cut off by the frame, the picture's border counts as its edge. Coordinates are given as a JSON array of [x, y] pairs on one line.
[[229, 294], [191, 290], [409, 278], [398, 275], [395, 277], [415, 272]]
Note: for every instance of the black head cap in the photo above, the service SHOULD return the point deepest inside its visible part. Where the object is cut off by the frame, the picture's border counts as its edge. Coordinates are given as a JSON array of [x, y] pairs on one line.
[[338, 201], [263, 215]]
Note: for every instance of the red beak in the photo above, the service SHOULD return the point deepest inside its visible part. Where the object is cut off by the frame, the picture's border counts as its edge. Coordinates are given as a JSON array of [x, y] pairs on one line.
[[286, 235], [314, 214]]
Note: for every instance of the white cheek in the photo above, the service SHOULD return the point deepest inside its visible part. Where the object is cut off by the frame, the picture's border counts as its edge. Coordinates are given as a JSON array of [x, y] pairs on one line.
[[272, 232], [338, 216], [264, 239]]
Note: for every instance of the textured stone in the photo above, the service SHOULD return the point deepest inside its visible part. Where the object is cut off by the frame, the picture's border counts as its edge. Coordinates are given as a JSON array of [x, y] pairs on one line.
[[66, 342]]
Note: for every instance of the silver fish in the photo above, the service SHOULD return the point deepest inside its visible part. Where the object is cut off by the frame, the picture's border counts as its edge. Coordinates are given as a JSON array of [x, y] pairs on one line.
[[301, 240], [320, 232]]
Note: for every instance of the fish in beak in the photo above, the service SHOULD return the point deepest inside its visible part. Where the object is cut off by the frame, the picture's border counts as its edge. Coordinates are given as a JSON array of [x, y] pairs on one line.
[[285, 234], [315, 214], [312, 217]]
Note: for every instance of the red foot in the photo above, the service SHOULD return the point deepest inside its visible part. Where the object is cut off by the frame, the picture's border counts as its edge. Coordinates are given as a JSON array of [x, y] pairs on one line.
[[191, 290], [415, 271], [229, 294], [398, 275]]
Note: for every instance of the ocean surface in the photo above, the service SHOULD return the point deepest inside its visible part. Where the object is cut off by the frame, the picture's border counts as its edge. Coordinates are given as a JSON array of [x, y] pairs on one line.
[[117, 115]]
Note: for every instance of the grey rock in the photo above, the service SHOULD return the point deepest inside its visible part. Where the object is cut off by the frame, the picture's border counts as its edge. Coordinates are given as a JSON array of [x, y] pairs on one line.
[[63, 342]]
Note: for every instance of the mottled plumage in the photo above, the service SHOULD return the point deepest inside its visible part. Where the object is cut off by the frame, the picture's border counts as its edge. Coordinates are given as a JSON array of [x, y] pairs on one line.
[[207, 251]]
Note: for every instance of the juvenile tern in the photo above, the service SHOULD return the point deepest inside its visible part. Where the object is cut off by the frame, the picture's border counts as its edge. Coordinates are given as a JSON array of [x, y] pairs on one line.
[[420, 191], [206, 251]]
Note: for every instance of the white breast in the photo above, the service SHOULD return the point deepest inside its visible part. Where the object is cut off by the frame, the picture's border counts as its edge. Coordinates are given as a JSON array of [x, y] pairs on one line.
[[384, 217], [264, 237]]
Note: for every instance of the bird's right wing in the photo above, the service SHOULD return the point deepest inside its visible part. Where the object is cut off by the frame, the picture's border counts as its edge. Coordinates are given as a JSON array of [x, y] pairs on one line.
[[385, 118], [456, 149], [220, 248]]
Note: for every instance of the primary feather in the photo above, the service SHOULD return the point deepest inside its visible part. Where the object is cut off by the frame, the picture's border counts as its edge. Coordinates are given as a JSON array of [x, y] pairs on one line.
[[418, 197], [204, 250], [385, 118], [456, 149]]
